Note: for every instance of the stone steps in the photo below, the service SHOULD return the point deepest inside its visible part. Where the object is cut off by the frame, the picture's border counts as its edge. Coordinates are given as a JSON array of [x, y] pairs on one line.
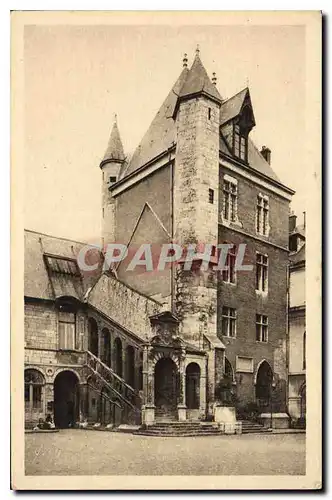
[[253, 427]]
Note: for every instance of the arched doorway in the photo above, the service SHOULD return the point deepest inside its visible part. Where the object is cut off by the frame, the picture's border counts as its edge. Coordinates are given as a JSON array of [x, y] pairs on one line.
[[106, 346], [264, 381], [193, 374], [66, 399], [93, 336], [130, 361], [166, 384], [118, 356]]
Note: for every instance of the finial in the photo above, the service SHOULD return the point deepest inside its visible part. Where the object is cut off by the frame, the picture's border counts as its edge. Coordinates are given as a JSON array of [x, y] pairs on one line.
[[185, 61], [197, 50], [115, 119], [214, 79]]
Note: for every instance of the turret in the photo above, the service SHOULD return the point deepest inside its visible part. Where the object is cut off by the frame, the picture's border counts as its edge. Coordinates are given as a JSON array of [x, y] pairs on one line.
[[110, 166]]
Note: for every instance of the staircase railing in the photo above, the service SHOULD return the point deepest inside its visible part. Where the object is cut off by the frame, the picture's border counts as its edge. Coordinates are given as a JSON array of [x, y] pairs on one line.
[[116, 385]]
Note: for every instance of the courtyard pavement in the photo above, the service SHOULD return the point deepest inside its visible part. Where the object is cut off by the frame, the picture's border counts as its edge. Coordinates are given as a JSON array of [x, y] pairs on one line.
[[76, 452]]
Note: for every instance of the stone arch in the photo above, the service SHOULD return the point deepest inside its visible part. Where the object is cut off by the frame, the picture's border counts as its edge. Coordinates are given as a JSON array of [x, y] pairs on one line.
[[193, 374], [229, 371], [303, 400], [73, 370], [93, 336], [160, 355], [263, 385], [258, 367]]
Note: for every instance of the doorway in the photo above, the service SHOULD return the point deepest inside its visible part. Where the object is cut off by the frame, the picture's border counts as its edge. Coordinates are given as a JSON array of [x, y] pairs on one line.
[[66, 399], [166, 384]]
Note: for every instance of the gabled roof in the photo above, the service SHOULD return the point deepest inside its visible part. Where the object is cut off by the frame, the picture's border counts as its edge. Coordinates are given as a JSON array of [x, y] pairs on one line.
[[198, 81], [114, 149], [232, 107]]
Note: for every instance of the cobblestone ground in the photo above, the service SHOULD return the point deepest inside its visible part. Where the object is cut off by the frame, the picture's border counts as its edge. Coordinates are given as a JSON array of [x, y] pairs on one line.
[[74, 452]]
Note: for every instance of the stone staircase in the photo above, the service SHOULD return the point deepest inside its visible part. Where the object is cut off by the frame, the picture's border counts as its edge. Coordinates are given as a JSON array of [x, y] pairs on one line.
[[104, 380], [166, 415], [180, 429], [249, 427]]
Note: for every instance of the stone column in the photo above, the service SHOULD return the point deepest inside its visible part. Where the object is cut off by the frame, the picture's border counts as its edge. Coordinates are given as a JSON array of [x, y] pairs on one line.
[[182, 408], [83, 401], [148, 407]]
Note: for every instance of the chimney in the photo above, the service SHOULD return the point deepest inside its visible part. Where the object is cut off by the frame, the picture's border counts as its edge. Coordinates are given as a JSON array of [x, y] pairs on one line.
[[292, 222], [266, 153]]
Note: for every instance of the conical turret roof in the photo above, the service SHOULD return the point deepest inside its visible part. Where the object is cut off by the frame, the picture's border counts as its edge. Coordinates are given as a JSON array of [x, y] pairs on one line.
[[198, 81], [114, 151]]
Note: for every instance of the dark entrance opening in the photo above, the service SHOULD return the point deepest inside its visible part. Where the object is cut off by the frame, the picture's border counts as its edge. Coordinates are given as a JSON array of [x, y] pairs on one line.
[[66, 399], [166, 384], [93, 336], [193, 373], [264, 385]]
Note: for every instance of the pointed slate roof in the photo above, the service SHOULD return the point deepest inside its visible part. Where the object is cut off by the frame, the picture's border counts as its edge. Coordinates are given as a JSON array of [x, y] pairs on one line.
[[114, 149], [161, 134], [198, 81]]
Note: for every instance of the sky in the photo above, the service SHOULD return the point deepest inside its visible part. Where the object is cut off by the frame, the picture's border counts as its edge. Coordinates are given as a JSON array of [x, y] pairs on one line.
[[77, 77]]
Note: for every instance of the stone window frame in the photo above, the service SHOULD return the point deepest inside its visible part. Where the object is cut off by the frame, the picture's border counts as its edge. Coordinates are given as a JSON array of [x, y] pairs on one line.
[[40, 385], [230, 263], [262, 222], [227, 220], [264, 280], [230, 314], [262, 335]]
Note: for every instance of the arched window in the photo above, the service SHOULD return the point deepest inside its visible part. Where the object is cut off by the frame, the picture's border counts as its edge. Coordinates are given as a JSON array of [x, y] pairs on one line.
[[304, 351], [33, 388]]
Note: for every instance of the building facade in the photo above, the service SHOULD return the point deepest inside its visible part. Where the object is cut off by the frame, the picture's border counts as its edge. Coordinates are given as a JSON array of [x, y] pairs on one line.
[[121, 344], [297, 324]]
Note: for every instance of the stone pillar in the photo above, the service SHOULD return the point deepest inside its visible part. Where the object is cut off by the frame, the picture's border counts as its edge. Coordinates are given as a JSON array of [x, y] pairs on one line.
[[48, 398], [83, 401], [148, 408], [182, 408]]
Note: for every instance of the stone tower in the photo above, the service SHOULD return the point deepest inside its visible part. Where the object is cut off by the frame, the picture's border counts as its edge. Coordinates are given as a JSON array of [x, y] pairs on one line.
[[196, 181], [110, 166], [196, 185]]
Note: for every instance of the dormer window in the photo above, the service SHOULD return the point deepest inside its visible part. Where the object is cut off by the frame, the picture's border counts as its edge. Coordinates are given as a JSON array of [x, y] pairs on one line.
[[240, 143]]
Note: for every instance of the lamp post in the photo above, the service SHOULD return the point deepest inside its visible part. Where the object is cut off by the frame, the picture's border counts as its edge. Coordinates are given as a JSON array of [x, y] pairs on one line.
[[273, 385]]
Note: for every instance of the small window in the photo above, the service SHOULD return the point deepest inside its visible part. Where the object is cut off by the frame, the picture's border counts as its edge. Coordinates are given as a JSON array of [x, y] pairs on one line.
[[261, 328], [211, 196], [262, 215], [240, 143], [230, 201], [228, 325], [209, 113], [112, 180], [262, 264], [67, 330], [229, 274]]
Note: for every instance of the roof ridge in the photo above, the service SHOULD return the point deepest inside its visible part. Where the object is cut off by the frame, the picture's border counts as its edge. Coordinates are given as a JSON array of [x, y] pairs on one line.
[[55, 237]]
